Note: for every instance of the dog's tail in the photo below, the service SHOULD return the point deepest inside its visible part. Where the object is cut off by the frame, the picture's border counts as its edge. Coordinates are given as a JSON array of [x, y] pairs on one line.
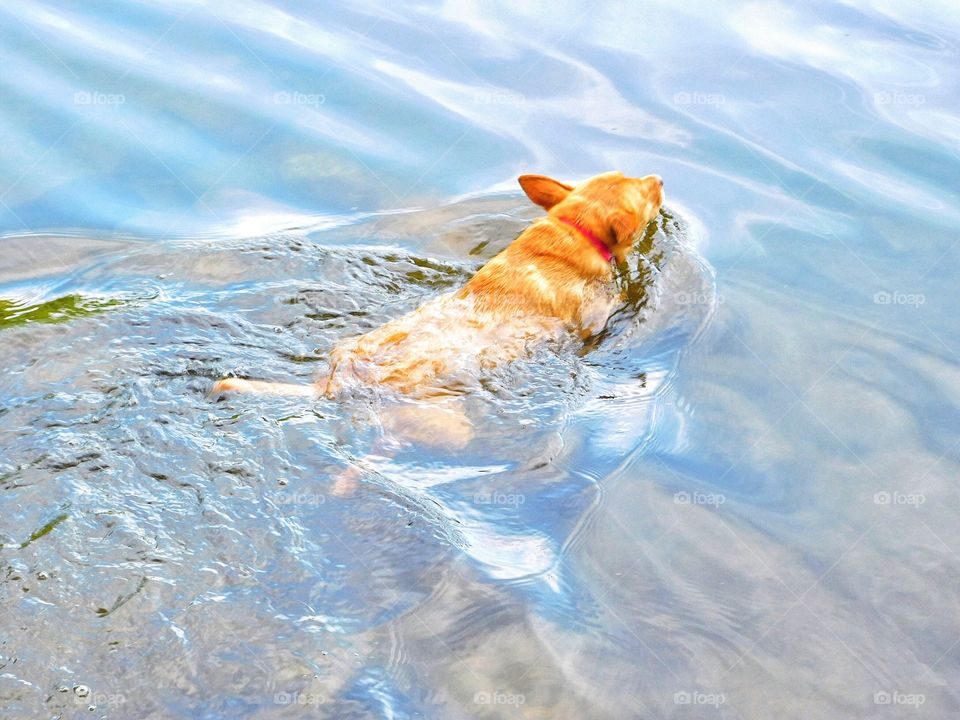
[[265, 388]]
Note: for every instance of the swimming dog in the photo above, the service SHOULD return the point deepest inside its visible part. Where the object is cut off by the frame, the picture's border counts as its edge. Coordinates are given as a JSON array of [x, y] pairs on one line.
[[555, 277]]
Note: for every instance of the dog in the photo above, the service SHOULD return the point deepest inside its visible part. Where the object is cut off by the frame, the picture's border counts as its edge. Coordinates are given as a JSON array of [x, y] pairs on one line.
[[556, 277]]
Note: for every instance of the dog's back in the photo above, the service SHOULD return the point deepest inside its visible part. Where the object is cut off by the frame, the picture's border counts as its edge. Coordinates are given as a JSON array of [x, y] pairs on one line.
[[439, 349]]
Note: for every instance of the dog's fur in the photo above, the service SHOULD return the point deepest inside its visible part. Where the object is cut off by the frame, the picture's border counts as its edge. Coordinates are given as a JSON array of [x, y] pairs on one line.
[[550, 280]]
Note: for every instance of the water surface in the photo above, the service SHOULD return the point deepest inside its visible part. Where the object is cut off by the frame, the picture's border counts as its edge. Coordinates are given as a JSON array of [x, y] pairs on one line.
[[739, 501]]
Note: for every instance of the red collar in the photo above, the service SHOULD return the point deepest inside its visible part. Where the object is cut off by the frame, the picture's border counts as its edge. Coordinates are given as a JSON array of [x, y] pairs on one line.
[[590, 237]]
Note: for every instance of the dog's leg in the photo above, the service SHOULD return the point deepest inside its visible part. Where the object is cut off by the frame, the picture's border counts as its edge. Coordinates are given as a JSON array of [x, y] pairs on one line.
[[439, 423], [263, 388]]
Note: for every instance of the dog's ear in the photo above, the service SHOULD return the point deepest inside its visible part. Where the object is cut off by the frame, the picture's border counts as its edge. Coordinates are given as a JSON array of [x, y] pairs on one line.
[[545, 192], [625, 225]]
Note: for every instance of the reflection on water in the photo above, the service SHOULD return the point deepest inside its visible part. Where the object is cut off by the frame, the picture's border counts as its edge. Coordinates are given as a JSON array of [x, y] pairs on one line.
[[738, 500]]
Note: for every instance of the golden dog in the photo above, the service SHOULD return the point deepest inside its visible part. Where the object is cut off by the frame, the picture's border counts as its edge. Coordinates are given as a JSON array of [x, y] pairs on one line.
[[556, 277]]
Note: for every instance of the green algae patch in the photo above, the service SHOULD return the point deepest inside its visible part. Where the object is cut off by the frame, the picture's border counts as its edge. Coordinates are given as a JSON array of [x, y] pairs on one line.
[[14, 313]]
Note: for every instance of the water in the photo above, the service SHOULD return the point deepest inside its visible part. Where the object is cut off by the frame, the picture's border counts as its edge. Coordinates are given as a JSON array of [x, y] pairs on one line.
[[739, 501]]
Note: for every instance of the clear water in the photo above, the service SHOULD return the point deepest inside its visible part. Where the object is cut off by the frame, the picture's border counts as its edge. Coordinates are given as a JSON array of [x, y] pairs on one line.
[[739, 502]]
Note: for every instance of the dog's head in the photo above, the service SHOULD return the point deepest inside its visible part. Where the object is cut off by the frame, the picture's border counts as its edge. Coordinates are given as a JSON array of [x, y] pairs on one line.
[[614, 207]]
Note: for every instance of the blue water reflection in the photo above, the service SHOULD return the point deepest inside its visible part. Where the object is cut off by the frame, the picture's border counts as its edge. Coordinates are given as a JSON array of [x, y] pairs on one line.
[[739, 502]]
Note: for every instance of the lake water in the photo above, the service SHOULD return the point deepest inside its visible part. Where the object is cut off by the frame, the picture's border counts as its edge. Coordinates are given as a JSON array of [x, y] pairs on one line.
[[739, 502]]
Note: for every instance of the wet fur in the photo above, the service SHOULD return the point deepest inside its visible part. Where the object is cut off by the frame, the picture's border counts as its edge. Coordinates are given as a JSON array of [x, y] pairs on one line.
[[548, 281]]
